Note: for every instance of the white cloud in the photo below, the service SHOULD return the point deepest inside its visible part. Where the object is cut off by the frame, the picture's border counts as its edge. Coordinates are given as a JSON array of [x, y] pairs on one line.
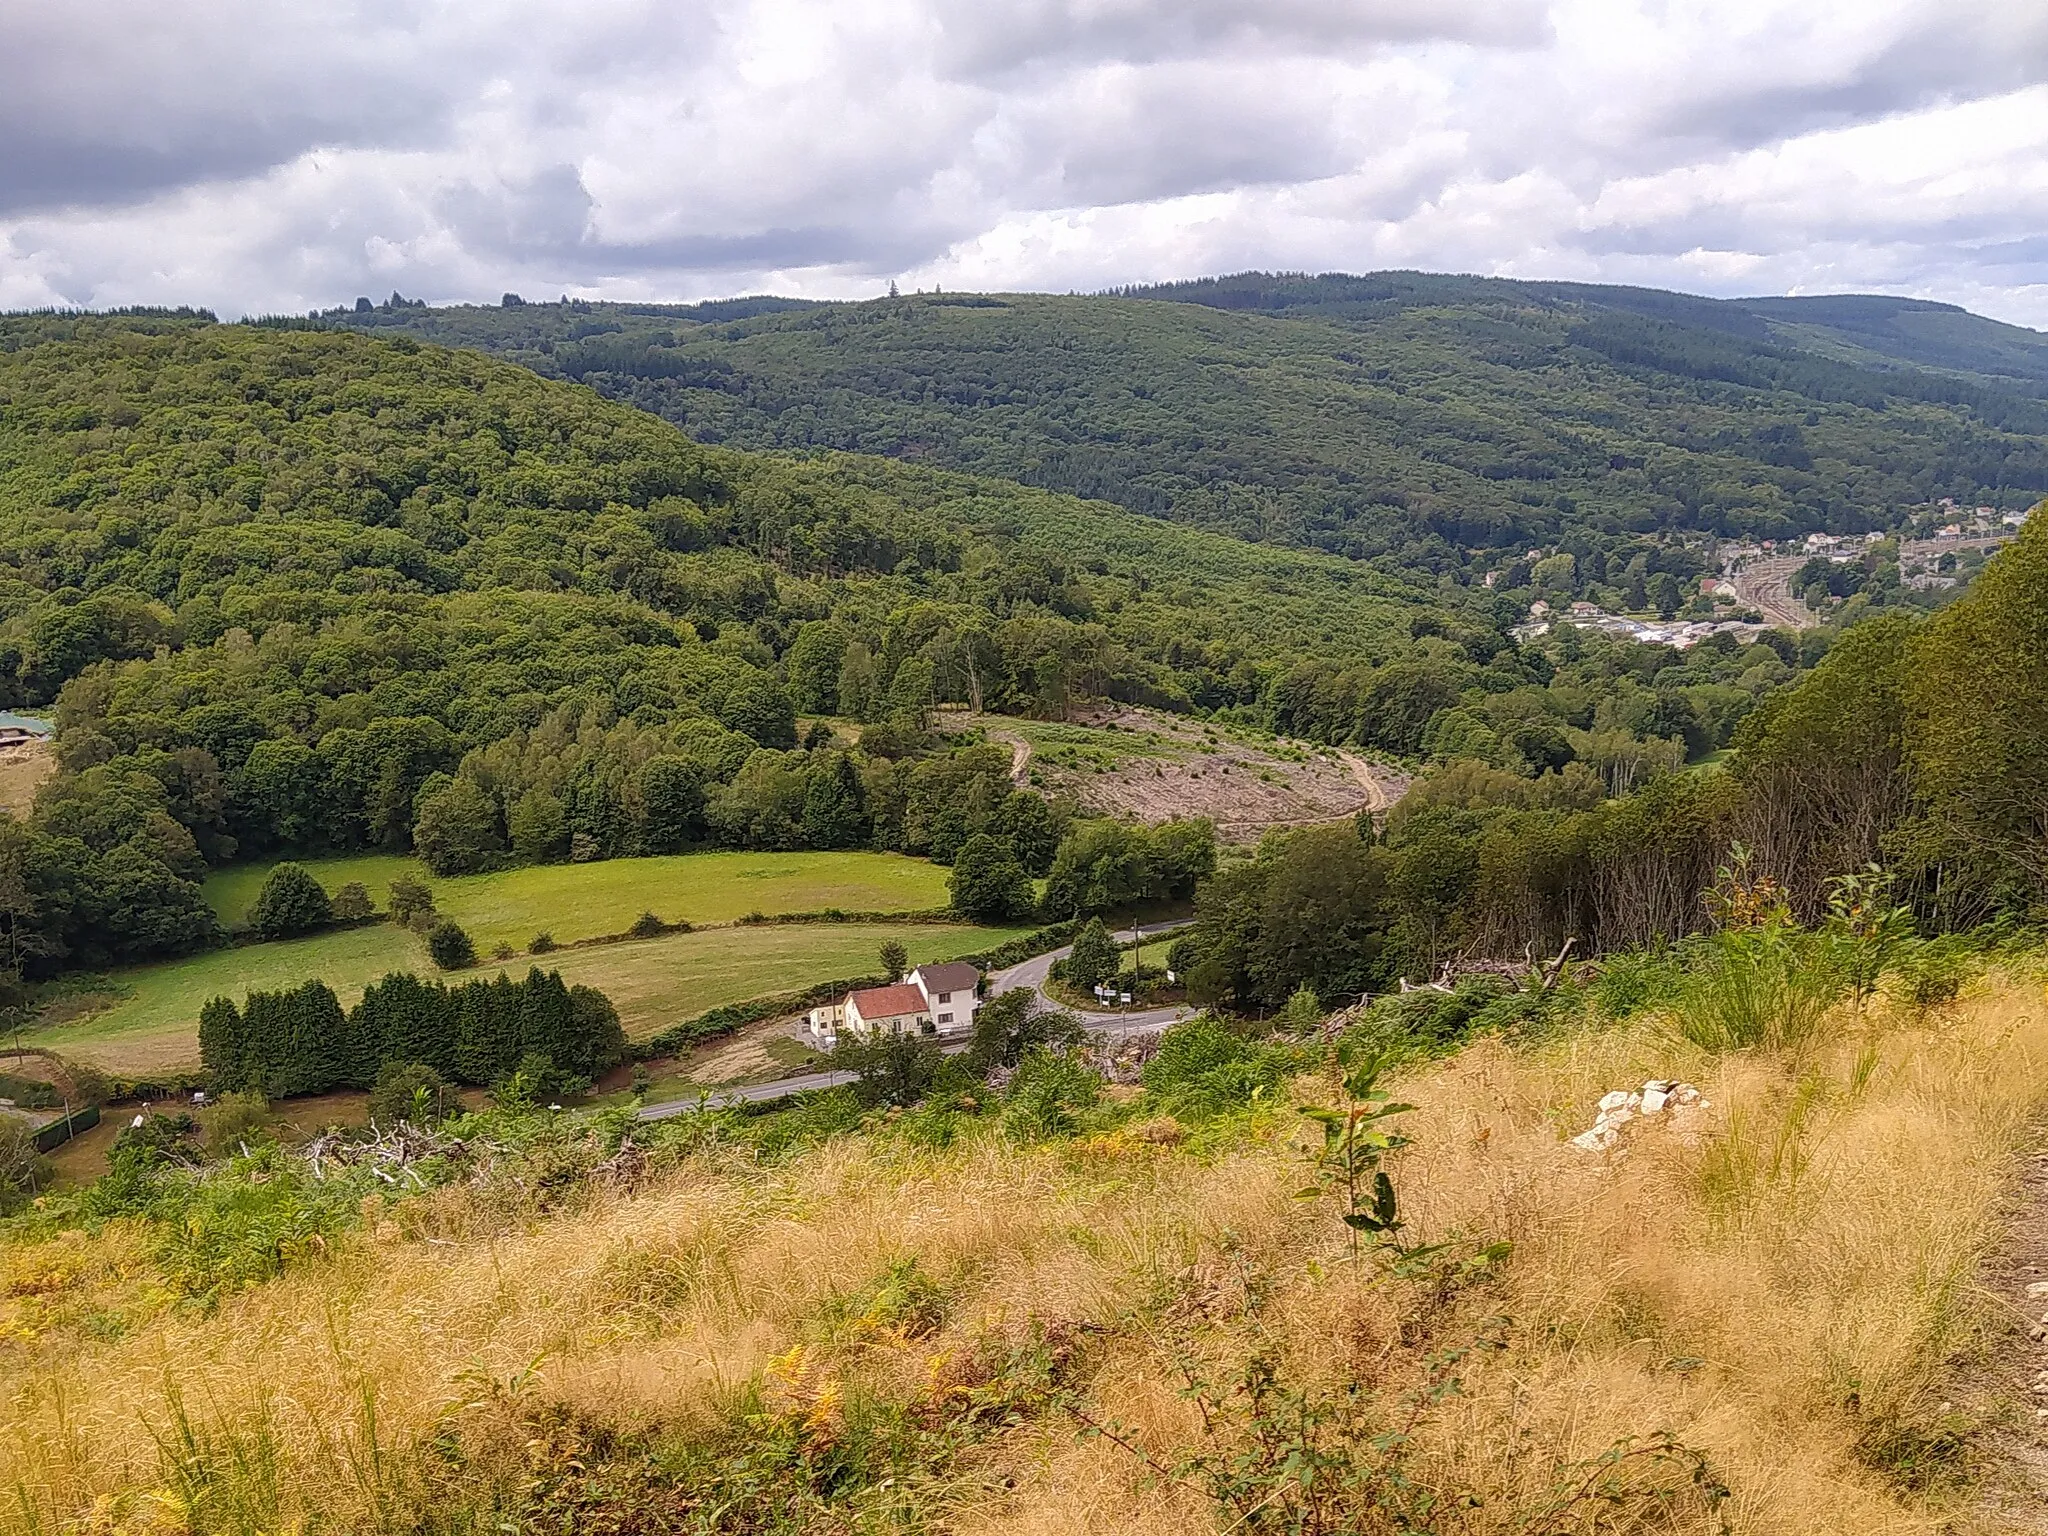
[[263, 154]]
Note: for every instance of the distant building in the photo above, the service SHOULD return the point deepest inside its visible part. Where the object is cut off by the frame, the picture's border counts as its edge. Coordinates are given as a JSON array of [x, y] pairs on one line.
[[931, 1000], [16, 730], [949, 994]]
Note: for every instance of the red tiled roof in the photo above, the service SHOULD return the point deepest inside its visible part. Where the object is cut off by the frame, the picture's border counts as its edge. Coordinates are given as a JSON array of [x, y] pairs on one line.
[[887, 1002]]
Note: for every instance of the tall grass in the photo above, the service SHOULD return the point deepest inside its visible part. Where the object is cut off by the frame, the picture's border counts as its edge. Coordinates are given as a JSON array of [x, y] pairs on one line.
[[877, 1335], [1771, 987]]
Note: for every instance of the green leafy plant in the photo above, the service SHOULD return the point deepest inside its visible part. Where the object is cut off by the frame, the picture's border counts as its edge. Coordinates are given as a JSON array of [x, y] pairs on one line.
[[1355, 1143]]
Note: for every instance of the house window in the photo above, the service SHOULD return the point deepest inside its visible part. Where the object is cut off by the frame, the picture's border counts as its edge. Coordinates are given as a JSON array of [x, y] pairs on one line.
[[945, 997], [945, 1018]]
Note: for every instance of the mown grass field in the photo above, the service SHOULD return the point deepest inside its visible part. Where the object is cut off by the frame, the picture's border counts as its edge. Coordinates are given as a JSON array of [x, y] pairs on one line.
[[582, 901], [151, 1019]]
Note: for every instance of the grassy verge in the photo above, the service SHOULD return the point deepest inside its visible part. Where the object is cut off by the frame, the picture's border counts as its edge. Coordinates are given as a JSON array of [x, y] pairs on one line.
[[579, 901]]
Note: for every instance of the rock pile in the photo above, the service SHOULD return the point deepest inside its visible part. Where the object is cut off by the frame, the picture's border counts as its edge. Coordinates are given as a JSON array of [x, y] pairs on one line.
[[1619, 1109]]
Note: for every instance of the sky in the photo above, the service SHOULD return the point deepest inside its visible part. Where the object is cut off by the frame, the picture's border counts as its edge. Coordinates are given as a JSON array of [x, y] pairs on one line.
[[268, 156]]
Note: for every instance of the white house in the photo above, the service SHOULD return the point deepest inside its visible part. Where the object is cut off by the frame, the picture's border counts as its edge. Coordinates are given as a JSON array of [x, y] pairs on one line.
[[932, 1000], [949, 994]]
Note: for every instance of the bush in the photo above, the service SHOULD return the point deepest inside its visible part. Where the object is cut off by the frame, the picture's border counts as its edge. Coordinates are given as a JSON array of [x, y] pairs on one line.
[[533, 1082], [23, 1169], [1047, 1094], [1095, 958], [237, 1120], [450, 946], [541, 943], [352, 903], [1205, 1068], [1010, 1024], [890, 1068], [647, 926], [504, 951], [1932, 972], [1764, 986], [412, 902], [290, 902], [159, 1139], [412, 1091]]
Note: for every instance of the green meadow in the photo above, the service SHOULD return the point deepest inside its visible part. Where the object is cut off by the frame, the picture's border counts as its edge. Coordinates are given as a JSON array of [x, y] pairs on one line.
[[148, 1021], [583, 901]]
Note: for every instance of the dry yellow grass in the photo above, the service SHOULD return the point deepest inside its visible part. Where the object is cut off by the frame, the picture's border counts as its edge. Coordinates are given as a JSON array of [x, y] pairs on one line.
[[1776, 1291]]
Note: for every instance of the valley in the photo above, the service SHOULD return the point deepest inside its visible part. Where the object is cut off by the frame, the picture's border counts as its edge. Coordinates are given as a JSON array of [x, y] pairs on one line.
[[481, 734]]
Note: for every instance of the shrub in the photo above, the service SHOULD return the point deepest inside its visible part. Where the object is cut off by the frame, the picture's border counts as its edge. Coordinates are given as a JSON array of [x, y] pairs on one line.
[[1304, 1012], [504, 951], [1931, 972], [290, 902], [412, 1091], [890, 1068], [1634, 980], [412, 902], [352, 903], [1766, 986], [23, 1170], [1047, 1094], [450, 945], [1203, 1067], [647, 926], [529, 1084], [159, 1139], [1094, 959], [540, 943], [236, 1121]]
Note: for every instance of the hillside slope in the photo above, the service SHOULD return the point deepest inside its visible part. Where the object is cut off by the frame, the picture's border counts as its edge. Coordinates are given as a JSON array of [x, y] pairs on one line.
[[1074, 1315], [1411, 419]]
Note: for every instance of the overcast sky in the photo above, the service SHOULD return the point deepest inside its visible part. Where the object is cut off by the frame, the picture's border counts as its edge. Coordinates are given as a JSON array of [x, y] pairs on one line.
[[272, 155]]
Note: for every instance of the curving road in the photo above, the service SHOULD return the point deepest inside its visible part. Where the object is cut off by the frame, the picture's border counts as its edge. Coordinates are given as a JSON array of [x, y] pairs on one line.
[[1031, 974], [1035, 972]]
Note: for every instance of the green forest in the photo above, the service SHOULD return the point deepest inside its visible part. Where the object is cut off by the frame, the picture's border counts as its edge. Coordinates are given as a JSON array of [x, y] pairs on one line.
[[1424, 424], [306, 591], [316, 592]]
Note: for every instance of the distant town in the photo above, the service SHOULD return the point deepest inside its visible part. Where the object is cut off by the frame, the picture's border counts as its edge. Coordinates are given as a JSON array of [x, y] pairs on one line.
[[1760, 585]]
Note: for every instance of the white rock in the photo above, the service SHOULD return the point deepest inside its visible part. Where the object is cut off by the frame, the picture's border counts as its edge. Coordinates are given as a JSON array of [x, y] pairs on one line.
[[1653, 1099], [1615, 1100], [2037, 1290]]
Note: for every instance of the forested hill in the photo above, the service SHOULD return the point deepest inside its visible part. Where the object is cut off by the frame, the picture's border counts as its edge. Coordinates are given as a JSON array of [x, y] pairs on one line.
[[1426, 423], [316, 592]]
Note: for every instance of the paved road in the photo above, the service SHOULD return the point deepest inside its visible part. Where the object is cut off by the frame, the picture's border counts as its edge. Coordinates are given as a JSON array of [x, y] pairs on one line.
[[1031, 974], [1034, 972]]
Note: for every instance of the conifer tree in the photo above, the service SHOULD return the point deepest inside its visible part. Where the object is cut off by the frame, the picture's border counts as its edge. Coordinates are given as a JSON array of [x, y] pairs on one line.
[[222, 1045], [316, 1053]]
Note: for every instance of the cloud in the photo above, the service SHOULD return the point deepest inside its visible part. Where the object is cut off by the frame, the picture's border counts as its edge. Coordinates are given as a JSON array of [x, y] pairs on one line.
[[263, 155]]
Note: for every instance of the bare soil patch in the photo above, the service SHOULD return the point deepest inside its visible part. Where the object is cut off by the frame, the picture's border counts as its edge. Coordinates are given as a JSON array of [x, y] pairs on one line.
[[24, 769], [1119, 760]]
